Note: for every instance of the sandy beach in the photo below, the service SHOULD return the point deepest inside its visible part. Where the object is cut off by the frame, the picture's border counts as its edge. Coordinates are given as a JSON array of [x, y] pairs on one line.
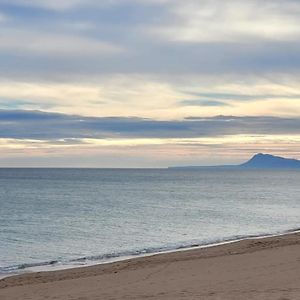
[[264, 268]]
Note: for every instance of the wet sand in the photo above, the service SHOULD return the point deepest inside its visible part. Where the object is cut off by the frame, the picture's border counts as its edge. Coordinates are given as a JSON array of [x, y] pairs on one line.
[[265, 268]]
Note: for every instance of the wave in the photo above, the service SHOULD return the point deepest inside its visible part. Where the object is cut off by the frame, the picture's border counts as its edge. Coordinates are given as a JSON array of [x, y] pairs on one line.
[[27, 266], [122, 255]]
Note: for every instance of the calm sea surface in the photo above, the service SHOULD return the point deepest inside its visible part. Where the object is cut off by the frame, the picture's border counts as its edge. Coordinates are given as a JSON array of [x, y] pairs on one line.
[[63, 217]]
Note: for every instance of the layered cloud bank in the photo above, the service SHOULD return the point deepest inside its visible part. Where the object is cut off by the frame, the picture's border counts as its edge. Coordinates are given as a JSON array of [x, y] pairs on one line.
[[163, 69], [37, 125], [146, 96], [127, 142]]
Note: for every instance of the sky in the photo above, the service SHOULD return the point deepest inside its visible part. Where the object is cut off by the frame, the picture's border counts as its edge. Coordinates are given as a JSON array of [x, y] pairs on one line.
[[148, 83]]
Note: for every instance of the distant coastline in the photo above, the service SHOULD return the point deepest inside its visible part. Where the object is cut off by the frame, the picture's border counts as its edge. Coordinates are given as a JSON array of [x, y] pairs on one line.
[[258, 161]]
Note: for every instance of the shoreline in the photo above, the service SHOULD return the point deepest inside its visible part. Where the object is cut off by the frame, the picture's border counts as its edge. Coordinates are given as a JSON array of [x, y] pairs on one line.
[[52, 266], [270, 264]]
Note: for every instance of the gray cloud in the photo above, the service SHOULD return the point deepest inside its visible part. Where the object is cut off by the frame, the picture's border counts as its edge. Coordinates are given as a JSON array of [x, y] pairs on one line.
[[203, 103], [39, 125], [245, 97], [227, 48], [41, 38], [228, 99]]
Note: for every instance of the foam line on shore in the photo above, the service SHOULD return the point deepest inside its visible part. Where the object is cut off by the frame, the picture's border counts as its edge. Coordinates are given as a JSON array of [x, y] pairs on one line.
[[55, 265]]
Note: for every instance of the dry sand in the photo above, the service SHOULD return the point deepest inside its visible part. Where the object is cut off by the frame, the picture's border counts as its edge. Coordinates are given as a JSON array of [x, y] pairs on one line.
[[266, 268]]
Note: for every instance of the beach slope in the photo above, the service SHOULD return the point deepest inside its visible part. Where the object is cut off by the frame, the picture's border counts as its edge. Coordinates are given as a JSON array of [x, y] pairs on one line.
[[265, 268]]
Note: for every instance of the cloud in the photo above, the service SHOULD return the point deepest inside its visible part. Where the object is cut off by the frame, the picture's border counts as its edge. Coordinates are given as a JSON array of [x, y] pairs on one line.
[[149, 37], [246, 97], [65, 5], [235, 21], [46, 4], [160, 60], [155, 97], [63, 46], [3, 18], [120, 96], [52, 126], [203, 103], [231, 99], [35, 138]]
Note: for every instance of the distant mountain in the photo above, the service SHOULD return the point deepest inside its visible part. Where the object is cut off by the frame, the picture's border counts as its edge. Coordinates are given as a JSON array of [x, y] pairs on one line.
[[258, 161], [267, 161]]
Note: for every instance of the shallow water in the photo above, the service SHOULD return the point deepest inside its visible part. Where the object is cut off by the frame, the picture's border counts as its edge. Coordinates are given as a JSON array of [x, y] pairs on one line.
[[60, 217]]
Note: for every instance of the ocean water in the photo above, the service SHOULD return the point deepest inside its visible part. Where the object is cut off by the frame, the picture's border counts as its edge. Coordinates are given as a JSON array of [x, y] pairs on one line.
[[52, 218]]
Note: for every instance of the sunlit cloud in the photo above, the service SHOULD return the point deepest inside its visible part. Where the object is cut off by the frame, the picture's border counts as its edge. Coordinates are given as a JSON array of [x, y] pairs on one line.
[[148, 82], [148, 97], [152, 152]]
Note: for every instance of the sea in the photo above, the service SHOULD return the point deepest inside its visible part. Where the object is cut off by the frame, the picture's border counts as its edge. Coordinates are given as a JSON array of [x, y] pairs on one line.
[[61, 218]]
